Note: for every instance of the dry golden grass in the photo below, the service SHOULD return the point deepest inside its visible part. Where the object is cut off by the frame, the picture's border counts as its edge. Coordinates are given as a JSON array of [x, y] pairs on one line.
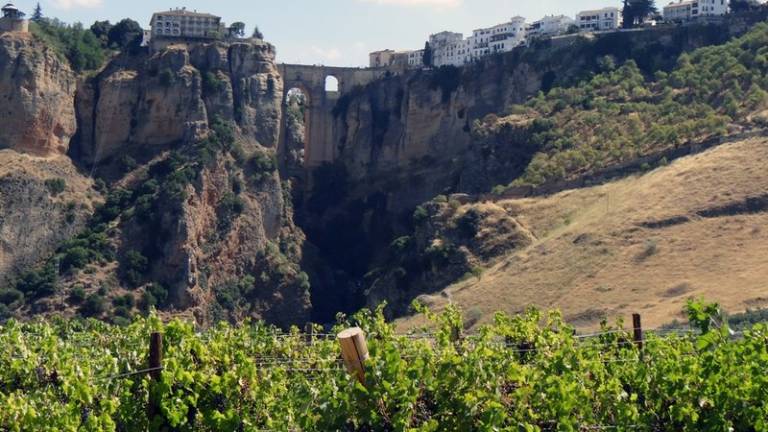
[[594, 258]]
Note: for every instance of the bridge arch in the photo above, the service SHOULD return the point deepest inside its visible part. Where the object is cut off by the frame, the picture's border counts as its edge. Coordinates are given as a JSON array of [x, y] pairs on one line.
[[321, 136]]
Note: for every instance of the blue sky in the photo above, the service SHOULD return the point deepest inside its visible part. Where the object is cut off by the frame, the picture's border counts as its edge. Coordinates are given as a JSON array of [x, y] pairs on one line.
[[330, 32]]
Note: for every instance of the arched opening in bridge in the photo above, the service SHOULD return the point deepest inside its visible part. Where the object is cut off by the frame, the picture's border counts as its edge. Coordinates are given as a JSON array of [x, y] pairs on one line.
[[296, 127], [331, 84]]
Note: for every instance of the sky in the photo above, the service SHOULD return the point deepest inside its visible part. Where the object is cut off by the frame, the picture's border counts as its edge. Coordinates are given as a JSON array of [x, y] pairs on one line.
[[330, 32]]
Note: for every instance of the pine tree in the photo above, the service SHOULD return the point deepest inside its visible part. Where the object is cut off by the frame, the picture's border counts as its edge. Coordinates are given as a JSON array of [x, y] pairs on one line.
[[628, 14], [37, 16], [427, 57]]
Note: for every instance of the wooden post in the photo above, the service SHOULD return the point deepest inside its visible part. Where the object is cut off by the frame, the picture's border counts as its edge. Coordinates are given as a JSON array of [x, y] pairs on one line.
[[309, 332], [637, 324], [155, 362], [354, 350]]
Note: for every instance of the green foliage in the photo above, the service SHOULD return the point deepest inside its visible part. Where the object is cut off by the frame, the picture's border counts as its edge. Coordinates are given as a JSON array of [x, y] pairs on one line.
[[619, 115], [56, 186], [262, 166], [94, 306], [166, 77], [237, 29], [212, 84], [155, 295], [229, 208], [90, 246], [447, 79], [125, 35], [519, 373], [420, 215], [77, 295], [39, 283], [11, 298], [133, 266], [80, 47]]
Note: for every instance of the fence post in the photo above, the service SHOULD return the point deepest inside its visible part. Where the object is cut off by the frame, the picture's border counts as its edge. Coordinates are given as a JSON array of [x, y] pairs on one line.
[[637, 325], [354, 350], [155, 363], [309, 333]]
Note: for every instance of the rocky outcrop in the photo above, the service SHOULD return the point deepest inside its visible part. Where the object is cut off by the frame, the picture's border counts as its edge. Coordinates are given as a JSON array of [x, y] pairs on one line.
[[215, 226], [37, 91], [42, 203], [146, 104]]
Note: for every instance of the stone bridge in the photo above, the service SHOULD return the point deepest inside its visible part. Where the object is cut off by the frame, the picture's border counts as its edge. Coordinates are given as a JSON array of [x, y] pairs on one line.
[[322, 87]]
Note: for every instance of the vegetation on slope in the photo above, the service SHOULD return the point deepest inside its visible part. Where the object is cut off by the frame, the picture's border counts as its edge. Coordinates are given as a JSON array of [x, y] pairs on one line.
[[128, 237], [87, 48], [527, 372], [620, 114]]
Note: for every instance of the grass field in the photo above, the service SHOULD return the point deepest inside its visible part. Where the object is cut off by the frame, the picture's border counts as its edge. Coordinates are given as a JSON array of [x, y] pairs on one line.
[[641, 244]]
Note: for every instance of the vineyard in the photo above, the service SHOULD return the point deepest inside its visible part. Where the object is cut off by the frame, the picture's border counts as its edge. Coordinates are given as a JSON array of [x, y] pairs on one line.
[[524, 373]]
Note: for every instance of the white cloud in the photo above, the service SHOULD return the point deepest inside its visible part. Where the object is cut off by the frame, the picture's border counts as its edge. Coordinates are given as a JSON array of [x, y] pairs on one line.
[[442, 4], [69, 4]]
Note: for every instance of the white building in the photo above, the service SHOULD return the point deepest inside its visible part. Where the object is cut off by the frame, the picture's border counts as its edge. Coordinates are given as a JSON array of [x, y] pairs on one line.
[[181, 23], [416, 58], [604, 19], [684, 10], [499, 38], [550, 25], [444, 45]]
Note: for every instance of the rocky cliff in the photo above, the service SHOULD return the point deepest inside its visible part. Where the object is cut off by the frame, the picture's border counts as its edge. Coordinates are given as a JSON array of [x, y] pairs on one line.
[[407, 138], [195, 219], [44, 199], [37, 90]]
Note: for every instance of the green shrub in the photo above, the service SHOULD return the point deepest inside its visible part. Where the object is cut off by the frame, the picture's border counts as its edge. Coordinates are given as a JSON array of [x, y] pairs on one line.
[[420, 215], [155, 295], [11, 297], [166, 77], [212, 84], [39, 283], [132, 267], [262, 166], [56, 186], [77, 295], [80, 47], [94, 306]]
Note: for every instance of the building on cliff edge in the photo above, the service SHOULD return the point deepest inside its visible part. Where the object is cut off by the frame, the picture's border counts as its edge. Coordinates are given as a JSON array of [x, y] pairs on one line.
[[13, 20], [182, 26]]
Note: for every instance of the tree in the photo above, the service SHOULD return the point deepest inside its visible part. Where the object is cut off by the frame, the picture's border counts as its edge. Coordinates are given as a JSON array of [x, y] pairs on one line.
[[257, 33], [427, 58], [636, 11], [237, 29], [740, 5], [125, 34], [101, 30], [37, 16]]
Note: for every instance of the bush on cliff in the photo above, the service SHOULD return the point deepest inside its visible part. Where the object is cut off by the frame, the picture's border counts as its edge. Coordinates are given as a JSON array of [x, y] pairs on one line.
[[79, 46]]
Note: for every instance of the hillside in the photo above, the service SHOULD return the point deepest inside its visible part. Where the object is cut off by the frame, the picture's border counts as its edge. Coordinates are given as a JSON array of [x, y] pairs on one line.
[[646, 243]]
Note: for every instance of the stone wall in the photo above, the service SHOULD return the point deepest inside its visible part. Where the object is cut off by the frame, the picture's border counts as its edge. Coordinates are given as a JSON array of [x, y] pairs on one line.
[[13, 25]]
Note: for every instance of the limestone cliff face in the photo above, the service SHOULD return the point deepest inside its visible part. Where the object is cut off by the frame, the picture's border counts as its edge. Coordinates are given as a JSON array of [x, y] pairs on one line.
[[37, 91], [145, 104], [44, 199], [224, 245], [34, 216]]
